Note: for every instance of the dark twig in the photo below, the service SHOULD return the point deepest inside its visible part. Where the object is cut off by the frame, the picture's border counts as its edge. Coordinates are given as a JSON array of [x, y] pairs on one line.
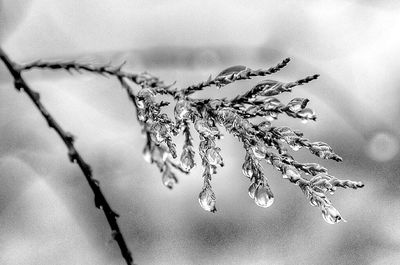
[[74, 156]]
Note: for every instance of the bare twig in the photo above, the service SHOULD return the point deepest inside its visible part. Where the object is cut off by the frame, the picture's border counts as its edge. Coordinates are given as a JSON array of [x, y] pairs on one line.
[[74, 156]]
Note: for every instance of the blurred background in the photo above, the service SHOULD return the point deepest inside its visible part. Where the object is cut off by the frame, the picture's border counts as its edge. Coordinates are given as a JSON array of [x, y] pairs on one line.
[[47, 215]]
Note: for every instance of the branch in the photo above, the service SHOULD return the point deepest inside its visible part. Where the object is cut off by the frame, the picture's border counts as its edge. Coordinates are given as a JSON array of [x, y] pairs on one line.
[[74, 156], [224, 79], [144, 79]]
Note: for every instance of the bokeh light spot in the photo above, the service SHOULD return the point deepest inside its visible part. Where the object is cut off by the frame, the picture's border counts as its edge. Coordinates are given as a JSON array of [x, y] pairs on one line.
[[383, 147]]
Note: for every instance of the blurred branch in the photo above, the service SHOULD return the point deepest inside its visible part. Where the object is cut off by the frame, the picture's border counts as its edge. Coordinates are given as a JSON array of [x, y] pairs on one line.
[[74, 156]]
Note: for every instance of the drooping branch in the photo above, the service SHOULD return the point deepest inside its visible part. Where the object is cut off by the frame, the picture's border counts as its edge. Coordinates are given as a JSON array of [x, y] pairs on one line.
[[74, 156], [261, 141]]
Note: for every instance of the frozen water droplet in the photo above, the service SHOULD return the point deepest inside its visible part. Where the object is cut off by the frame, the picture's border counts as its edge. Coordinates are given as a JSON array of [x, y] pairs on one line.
[[205, 129], [264, 126], [290, 172], [213, 156], [232, 70], [295, 147], [141, 114], [259, 150], [144, 97], [331, 215], [207, 199], [147, 153], [263, 196], [271, 116], [168, 178], [187, 161], [313, 202], [159, 132], [297, 104], [306, 114], [182, 110], [248, 168], [252, 189], [272, 103]]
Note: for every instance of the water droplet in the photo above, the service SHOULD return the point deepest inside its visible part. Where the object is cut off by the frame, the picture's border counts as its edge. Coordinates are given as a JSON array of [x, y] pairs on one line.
[[141, 115], [295, 147], [269, 87], [252, 189], [263, 196], [213, 156], [306, 114], [331, 215], [205, 129], [159, 132], [169, 178], [182, 110], [207, 199], [147, 153], [297, 104], [187, 158], [248, 168], [232, 70], [290, 172], [272, 103], [313, 202], [144, 97], [264, 126], [259, 150], [271, 116]]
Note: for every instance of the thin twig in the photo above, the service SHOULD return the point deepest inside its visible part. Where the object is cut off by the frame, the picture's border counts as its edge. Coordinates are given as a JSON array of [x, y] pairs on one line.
[[74, 156]]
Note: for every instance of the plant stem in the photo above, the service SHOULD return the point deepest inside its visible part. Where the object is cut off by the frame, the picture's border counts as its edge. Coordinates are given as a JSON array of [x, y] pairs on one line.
[[68, 139]]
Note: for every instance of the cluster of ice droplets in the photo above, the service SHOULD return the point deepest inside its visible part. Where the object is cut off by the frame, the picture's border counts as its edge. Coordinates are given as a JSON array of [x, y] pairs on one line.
[[261, 194]]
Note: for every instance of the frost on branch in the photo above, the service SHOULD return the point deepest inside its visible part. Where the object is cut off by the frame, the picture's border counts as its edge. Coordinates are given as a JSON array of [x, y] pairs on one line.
[[262, 141]]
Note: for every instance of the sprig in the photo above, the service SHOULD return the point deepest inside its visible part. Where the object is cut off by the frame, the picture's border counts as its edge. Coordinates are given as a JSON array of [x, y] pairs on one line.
[[261, 140]]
